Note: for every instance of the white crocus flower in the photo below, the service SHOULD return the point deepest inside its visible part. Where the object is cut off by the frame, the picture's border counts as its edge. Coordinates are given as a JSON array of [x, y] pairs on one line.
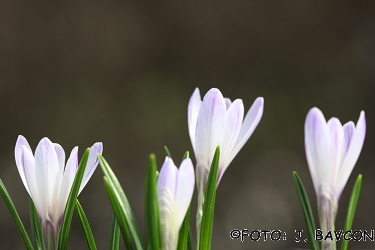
[[331, 151], [48, 181], [175, 189], [216, 121]]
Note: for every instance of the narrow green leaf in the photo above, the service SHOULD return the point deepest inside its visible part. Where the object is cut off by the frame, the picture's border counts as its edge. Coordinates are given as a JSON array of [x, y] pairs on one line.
[[8, 202], [115, 235], [119, 201], [209, 204], [153, 230], [190, 240], [69, 209], [120, 216], [36, 229], [306, 210], [167, 153], [186, 155], [184, 231], [85, 226], [351, 209]]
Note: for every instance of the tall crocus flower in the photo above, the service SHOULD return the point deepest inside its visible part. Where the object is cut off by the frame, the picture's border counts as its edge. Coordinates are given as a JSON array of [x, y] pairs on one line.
[[175, 189], [216, 121], [331, 151], [48, 182]]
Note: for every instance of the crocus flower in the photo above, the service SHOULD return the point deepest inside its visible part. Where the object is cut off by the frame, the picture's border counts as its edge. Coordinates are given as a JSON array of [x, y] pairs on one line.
[[175, 189], [216, 121], [48, 182], [331, 151]]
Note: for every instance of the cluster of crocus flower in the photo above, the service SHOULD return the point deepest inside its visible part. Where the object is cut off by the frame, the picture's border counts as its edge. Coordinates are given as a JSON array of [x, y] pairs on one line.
[[48, 180], [331, 151]]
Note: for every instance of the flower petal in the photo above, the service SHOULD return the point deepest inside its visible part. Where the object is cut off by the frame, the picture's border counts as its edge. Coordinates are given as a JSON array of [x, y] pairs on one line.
[[21, 141], [193, 110], [92, 163], [354, 149], [67, 181], [210, 126], [228, 102], [28, 164], [168, 176], [184, 189], [46, 170], [318, 148], [234, 117], [250, 122], [336, 134], [61, 158]]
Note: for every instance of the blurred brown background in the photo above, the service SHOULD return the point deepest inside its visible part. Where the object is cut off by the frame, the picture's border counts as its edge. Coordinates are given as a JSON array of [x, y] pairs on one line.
[[123, 72]]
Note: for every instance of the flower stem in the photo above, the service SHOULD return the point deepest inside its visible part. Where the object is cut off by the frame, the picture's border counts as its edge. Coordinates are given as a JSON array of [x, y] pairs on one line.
[[327, 208]]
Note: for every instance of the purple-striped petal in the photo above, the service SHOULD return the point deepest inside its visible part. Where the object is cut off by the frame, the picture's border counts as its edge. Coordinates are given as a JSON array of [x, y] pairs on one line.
[[228, 102], [234, 117], [28, 164], [354, 148], [336, 134], [68, 178], [210, 125], [61, 159], [46, 170], [249, 124], [318, 148], [21, 141], [168, 176], [92, 163], [195, 103], [184, 189]]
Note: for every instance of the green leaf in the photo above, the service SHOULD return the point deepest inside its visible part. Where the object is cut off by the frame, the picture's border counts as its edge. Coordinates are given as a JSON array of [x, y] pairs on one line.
[[184, 231], [85, 226], [190, 240], [209, 204], [351, 208], [306, 209], [153, 230], [69, 209], [36, 229], [115, 235], [186, 155], [8, 202], [120, 205], [167, 153], [120, 216]]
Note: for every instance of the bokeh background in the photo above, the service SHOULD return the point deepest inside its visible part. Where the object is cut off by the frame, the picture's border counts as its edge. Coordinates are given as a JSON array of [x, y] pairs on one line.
[[122, 72]]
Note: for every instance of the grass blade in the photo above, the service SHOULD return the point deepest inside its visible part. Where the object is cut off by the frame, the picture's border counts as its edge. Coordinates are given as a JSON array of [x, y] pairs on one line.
[[351, 209], [69, 209], [85, 227], [115, 235], [120, 216], [306, 210], [36, 229], [153, 230], [209, 204], [167, 152], [119, 201], [8, 202], [190, 240], [186, 155]]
